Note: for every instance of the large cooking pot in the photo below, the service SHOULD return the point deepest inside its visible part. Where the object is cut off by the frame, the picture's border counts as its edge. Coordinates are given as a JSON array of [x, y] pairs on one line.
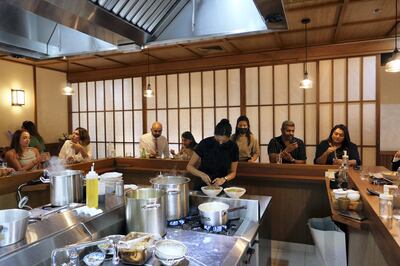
[[146, 211], [65, 187], [177, 190], [13, 223]]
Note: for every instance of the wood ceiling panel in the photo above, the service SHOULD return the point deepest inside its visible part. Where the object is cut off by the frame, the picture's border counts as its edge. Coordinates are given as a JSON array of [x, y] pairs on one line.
[[211, 48], [315, 37], [173, 53], [257, 42], [299, 4], [364, 31], [323, 16], [58, 66], [98, 62], [77, 68], [130, 58], [364, 10]]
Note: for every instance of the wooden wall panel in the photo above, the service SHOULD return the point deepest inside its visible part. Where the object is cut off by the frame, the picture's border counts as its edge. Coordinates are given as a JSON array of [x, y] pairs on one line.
[[368, 156]]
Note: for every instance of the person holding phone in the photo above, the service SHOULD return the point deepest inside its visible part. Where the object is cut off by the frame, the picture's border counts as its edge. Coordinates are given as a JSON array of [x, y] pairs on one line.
[[287, 148]]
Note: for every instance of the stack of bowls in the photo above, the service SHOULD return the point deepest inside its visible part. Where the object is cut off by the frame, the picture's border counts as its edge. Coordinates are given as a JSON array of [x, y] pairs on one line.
[[109, 179]]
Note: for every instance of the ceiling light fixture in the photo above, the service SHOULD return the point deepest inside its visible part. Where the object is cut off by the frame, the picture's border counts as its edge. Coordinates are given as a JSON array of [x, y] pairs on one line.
[[148, 91], [393, 65], [306, 83], [68, 90]]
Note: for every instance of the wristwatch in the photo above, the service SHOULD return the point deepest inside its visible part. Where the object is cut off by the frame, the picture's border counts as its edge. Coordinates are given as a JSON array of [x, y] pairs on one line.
[[226, 179]]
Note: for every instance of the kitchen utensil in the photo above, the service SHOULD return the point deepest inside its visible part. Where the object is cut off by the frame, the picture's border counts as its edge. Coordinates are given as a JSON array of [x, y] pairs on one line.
[[234, 192], [170, 252], [213, 213], [211, 191], [136, 248], [177, 195], [340, 193], [13, 224], [146, 211]]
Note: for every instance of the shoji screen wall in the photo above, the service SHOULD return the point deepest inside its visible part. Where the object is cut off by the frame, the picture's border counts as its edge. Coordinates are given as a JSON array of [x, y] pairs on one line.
[[344, 91]]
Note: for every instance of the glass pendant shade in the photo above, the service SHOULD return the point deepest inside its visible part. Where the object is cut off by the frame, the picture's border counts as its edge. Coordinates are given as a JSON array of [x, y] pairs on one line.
[[148, 92], [306, 83], [68, 90], [393, 65]]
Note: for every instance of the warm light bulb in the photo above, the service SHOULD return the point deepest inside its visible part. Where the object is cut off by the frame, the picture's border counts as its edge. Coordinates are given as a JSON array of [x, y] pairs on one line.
[[393, 65], [306, 83], [148, 92], [68, 91]]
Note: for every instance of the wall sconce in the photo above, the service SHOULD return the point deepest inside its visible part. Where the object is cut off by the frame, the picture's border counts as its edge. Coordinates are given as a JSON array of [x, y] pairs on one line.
[[17, 97]]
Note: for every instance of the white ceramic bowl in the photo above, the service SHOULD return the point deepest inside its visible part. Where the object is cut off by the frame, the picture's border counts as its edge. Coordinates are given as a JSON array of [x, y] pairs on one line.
[[168, 250], [211, 191], [111, 176], [340, 193], [234, 192], [354, 195]]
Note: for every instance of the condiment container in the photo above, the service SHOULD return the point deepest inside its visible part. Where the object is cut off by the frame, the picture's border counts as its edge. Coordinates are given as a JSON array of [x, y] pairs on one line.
[[92, 189], [386, 206]]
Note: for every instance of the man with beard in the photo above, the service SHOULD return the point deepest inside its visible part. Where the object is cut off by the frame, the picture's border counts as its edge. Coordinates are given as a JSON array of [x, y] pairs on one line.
[[153, 143], [287, 148]]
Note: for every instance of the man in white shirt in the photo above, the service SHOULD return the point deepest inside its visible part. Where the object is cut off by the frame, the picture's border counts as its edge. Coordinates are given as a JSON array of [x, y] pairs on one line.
[[153, 143]]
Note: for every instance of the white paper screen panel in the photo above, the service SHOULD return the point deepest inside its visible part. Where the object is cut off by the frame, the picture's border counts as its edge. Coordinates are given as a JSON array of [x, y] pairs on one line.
[[296, 94], [129, 150], [252, 86], [208, 89], [82, 97], [173, 134], [353, 75], [184, 120], [220, 88], [119, 127], [208, 125], [339, 114], [354, 121], [281, 84], [138, 125], [91, 95], [109, 127], [310, 153], [281, 114], [100, 127], [195, 89], [252, 114], [369, 124], [74, 98], [100, 95], [162, 118], [233, 114], [172, 83], [311, 94], [368, 156], [369, 78], [161, 91], [325, 120], [118, 100], [127, 94], [151, 118], [264, 155], [83, 120], [266, 85], [197, 124], [75, 120], [183, 90], [325, 81], [339, 80], [151, 101], [119, 149], [311, 124], [220, 113], [128, 126], [101, 150], [137, 93], [234, 87], [266, 120], [94, 150], [92, 127], [108, 94], [297, 116]]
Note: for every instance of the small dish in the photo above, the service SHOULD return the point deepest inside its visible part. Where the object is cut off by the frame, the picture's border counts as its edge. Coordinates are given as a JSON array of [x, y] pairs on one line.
[[211, 191], [94, 258], [340, 193], [170, 251], [353, 196], [235, 192]]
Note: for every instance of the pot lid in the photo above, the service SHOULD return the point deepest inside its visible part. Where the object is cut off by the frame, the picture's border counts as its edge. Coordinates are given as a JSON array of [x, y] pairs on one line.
[[169, 180]]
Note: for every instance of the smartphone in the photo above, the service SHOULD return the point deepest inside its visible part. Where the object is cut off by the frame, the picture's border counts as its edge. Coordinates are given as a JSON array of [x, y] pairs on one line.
[[353, 215]]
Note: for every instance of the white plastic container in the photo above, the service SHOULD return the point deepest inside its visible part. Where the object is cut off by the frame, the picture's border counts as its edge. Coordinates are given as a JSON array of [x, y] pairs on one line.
[[92, 189]]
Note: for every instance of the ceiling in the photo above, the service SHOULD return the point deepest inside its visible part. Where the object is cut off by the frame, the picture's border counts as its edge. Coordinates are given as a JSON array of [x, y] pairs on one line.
[[332, 22]]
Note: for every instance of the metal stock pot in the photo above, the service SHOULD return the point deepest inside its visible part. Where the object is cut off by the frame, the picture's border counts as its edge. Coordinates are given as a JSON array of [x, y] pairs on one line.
[[177, 190], [13, 224], [65, 187], [145, 211]]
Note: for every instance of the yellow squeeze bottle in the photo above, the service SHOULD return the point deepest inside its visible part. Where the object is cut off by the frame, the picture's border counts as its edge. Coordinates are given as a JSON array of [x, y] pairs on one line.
[[92, 189]]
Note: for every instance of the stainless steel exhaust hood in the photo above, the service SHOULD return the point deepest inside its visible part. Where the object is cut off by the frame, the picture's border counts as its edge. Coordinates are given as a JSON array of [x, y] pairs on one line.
[[53, 28]]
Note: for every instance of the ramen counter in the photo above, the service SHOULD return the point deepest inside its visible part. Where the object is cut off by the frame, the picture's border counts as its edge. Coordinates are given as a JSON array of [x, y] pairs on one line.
[[65, 228]]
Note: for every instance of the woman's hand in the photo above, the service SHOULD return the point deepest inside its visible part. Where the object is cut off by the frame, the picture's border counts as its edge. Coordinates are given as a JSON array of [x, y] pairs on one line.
[[219, 181], [77, 147], [206, 179]]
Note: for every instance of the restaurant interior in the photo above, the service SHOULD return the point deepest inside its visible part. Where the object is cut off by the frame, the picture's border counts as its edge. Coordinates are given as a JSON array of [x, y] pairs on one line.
[[115, 67]]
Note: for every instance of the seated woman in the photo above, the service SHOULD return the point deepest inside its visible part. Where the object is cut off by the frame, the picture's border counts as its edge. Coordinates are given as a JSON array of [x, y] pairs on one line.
[[215, 158], [331, 150], [21, 157], [77, 149], [396, 161], [36, 140], [249, 151], [188, 144]]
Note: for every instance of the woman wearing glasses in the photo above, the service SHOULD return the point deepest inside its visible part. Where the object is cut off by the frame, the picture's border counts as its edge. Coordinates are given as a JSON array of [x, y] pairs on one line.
[[331, 150]]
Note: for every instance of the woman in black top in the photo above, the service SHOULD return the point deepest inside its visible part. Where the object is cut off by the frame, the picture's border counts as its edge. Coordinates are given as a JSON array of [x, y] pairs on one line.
[[215, 159], [331, 150], [396, 161]]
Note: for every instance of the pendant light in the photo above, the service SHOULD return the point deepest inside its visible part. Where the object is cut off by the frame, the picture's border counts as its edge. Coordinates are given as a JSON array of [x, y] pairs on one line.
[[306, 83], [68, 90], [148, 91], [393, 65]]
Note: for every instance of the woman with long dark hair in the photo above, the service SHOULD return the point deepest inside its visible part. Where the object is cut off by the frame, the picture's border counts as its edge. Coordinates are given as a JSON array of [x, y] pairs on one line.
[[188, 144], [249, 150], [36, 140], [78, 148], [215, 158], [21, 157], [331, 150]]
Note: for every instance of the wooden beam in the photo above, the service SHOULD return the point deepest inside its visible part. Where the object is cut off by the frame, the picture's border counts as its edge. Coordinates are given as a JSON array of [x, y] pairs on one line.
[[312, 7], [340, 20], [112, 60], [251, 59], [232, 46], [82, 65], [189, 50], [278, 39]]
